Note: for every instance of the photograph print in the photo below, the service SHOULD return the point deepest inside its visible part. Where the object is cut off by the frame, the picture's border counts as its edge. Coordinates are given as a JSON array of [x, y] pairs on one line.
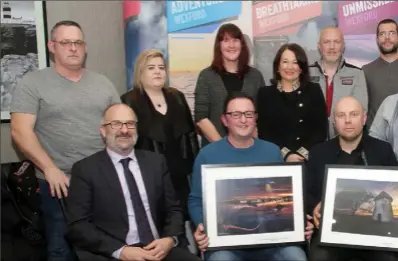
[[253, 205], [23, 46], [360, 207], [366, 207]]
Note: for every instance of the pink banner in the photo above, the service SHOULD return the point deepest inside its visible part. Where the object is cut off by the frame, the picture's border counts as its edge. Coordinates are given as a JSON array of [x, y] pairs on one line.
[[362, 17]]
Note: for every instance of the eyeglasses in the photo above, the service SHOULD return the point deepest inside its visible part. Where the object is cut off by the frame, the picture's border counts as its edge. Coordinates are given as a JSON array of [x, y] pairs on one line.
[[70, 43], [238, 114], [118, 125], [388, 34]]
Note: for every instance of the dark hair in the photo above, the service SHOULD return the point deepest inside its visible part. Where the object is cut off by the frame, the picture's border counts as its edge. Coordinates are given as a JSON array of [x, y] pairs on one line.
[[301, 58], [236, 95], [233, 31], [64, 23], [387, 21]]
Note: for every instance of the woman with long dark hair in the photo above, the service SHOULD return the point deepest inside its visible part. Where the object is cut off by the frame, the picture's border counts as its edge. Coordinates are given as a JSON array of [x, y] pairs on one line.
[[228, 72], [292, 111]]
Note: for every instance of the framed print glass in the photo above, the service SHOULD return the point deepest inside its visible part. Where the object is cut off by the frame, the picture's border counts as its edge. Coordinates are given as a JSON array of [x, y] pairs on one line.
[[23, 45], [360, 207], [251, 205]]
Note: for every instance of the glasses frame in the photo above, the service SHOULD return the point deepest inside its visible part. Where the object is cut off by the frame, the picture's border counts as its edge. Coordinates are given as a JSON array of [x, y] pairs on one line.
[[112, 124], [241, 113]]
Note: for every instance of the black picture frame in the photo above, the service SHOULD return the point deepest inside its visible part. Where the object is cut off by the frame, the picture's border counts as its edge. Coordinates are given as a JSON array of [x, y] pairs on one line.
[[213, 173], [12, 18], [341, 234]]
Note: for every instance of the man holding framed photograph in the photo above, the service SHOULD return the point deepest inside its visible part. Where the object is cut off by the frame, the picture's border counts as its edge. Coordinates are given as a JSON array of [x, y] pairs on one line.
[[239, 117], [351, 147]]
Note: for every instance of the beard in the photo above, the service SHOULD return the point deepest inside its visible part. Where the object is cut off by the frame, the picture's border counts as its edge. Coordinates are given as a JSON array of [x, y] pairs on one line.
[[351, 138], [392, 50]]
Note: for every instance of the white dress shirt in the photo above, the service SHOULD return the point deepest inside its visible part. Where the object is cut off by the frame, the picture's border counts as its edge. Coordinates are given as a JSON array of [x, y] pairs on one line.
[[132, 235]]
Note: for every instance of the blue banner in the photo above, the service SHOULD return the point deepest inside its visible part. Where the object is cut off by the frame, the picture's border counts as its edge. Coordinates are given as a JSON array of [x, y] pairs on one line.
[[186, 14]]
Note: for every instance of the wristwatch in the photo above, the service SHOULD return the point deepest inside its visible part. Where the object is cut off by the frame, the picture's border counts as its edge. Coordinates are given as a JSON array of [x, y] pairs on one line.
[[175, 239]]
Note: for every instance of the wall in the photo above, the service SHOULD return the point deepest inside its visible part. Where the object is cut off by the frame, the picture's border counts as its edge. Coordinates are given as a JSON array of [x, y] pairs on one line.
[[103, 27]]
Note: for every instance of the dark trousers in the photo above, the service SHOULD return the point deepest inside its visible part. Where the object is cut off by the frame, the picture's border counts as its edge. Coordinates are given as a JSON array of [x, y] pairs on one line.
[[58, 248], [327, 253]]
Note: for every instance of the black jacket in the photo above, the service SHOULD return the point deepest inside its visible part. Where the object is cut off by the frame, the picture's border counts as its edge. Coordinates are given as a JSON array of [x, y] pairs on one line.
[[377, 153], [292, 120], [151, 135]]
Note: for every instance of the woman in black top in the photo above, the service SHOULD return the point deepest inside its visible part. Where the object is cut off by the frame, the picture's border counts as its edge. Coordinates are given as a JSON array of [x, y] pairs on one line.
[[165, 123], [292, 111]]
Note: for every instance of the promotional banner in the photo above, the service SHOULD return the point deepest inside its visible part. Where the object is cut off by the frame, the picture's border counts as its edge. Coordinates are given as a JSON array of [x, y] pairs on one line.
[[189, 27]]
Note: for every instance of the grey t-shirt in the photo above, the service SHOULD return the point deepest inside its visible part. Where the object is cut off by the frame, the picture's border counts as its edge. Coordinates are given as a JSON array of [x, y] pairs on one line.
[[68, 113]]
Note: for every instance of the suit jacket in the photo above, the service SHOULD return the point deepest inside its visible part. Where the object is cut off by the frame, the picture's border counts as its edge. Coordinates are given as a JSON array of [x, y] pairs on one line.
[[377, 152], [96, 209]]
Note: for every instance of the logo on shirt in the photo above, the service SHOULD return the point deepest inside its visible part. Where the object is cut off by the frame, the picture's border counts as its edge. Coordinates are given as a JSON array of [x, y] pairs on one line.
[[315, 78], [347, 80]]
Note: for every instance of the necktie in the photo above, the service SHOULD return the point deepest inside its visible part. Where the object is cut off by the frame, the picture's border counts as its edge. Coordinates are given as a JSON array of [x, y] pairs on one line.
[[143, 227]]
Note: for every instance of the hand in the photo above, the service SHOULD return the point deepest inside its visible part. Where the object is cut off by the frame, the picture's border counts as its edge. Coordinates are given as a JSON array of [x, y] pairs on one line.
[[58, 182], [201, 239], [309, 229], [159, 248], [136, 254], [294, 158], [317, 215]]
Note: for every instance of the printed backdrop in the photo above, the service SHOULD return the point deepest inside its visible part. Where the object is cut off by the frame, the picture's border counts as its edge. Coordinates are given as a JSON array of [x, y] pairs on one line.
[[185, 31]]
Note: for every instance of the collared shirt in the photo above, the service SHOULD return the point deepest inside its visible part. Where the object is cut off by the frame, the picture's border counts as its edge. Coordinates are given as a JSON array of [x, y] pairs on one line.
[[356, 157], [132, 235]]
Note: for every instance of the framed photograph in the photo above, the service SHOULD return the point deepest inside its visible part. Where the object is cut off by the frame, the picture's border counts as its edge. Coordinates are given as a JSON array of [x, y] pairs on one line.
[[251, 205], [360, 207], [23, 45]]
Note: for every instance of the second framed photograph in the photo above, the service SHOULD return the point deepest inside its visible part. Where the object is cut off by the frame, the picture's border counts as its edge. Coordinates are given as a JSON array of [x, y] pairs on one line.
[[360, 207], [252, 205]]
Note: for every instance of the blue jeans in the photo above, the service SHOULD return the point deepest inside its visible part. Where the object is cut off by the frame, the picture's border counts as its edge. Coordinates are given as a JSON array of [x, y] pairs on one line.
[[58, 248], [287, 253]]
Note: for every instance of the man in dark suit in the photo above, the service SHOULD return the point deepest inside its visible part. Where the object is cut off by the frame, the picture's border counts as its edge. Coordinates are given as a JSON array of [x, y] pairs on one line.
[[351, 147], [121, 202]]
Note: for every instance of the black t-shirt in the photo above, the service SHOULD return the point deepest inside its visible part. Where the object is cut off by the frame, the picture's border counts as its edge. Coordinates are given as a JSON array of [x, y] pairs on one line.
[[232, 82]]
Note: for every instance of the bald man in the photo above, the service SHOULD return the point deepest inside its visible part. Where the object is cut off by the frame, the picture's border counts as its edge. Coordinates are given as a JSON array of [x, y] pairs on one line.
[[121, 202], [351, 147], [336, 77]]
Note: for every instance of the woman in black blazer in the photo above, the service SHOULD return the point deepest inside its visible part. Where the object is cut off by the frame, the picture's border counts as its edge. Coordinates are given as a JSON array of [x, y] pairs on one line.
[[292, 112], [165, 124]]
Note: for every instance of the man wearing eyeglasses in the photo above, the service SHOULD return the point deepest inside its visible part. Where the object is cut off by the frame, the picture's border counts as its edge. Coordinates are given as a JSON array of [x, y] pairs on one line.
[[382, 74], [239, 146], [54, 121], [121, 200]]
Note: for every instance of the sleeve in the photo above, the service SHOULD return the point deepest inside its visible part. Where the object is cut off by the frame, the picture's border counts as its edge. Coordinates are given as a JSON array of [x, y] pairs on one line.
[[193, 136], [267, 131], [81, 230], [391, 159], [114, 95], [202, 104], [195, 207], [319, 131], [174, 219], [25, 98], [360, 91], [379, 125]]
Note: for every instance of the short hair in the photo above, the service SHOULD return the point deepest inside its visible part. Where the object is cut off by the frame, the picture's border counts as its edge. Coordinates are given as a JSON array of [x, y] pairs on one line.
[[116, 104], [387, 21], [64, 23], [233, 31], [236, 95], [140, 62], [301, 58]]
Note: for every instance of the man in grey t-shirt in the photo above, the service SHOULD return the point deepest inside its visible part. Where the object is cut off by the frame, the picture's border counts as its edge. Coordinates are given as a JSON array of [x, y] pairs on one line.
[[55, 114], [382, 74]]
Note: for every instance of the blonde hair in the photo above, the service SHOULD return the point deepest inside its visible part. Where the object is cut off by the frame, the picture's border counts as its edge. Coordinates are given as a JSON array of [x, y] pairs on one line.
[[140, 63]]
